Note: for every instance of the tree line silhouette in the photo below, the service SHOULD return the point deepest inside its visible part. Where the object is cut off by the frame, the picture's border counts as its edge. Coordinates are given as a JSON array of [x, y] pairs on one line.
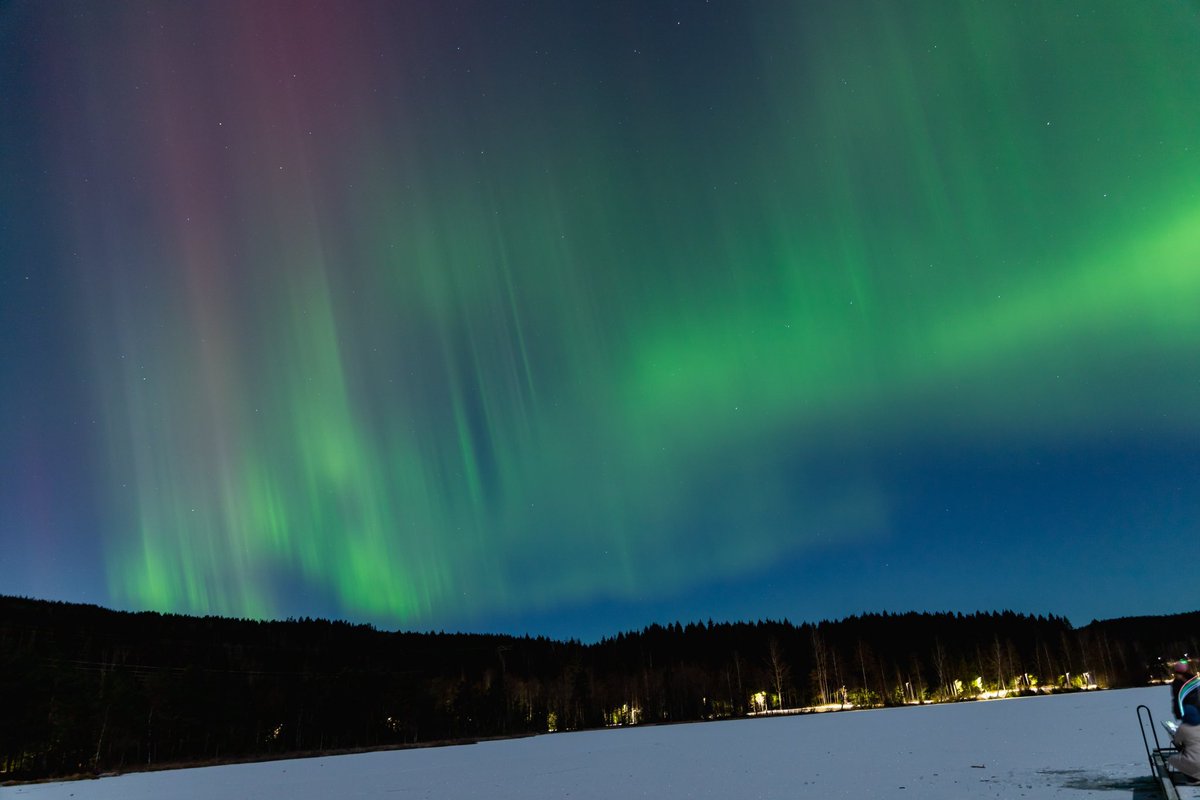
[[89, 690]]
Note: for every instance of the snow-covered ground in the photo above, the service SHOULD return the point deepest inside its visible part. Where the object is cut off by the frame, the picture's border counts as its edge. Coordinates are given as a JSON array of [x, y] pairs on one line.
[[1070, 746]]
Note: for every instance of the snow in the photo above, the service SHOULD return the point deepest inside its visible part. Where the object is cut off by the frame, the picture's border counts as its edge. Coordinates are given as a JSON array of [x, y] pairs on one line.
[[1074, 746]]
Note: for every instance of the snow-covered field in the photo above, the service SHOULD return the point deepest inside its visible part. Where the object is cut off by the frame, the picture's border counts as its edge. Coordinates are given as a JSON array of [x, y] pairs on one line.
[[1071, 746]]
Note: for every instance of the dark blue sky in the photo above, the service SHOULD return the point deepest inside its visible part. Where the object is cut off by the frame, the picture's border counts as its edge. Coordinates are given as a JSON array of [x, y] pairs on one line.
[[567, 319]]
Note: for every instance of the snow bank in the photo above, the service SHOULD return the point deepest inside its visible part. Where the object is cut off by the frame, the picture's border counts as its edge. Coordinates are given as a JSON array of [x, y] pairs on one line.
[[1068, 746]]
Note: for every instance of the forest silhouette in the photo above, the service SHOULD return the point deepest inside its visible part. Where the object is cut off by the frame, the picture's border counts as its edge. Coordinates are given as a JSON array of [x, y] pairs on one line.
[[86, 690]]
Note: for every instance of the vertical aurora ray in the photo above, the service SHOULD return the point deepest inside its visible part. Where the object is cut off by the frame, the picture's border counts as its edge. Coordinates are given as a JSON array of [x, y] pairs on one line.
[[434, 318]]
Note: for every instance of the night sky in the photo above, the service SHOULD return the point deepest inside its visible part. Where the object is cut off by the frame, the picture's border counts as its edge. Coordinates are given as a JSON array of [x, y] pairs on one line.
[[569, 317]]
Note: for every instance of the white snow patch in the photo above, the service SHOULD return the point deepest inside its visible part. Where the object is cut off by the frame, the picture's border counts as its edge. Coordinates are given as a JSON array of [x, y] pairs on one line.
[[1073, 746]]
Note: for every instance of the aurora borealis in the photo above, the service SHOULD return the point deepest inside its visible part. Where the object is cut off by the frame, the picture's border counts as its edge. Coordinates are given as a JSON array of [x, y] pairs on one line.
[[570, 317]]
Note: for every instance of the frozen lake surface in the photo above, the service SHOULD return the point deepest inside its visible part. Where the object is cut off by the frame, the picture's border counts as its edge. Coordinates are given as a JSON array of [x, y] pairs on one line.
[[1073, 746]]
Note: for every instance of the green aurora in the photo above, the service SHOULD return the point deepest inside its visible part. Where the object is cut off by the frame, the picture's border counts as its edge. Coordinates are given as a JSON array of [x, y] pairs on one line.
[[429, 317]]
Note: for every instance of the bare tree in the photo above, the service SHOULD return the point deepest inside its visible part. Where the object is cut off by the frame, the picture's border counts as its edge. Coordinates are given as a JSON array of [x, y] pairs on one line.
[[821, 667], [998, 662], [737, 666], [779, 668], [943, 673], [860, 651]]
